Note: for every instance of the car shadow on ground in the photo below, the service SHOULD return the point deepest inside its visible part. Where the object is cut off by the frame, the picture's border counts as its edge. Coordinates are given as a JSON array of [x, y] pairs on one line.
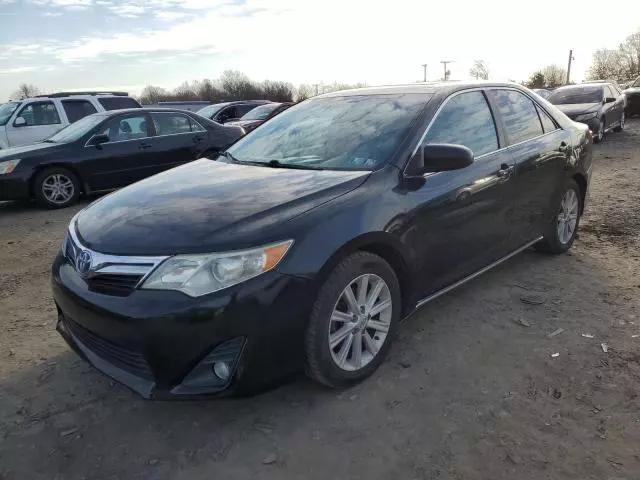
[[452, 366]]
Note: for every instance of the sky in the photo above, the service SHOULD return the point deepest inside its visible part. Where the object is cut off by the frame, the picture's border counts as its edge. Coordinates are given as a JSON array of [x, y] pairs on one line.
[[127, 44]]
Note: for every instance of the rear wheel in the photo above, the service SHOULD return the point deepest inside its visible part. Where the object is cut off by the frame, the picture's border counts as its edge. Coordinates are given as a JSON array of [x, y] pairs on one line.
[[561, 230], [56, 187], [620, 127], [353, 321]]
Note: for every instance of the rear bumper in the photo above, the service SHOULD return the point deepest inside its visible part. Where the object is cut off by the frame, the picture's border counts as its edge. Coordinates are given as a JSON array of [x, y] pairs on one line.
[[163, 344]]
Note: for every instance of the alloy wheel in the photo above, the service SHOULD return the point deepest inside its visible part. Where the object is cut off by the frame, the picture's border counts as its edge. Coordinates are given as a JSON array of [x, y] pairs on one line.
[[58, 188], [567, 216], [360, 322]]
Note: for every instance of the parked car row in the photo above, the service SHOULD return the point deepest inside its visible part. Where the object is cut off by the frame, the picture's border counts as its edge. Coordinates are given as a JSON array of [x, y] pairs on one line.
[[310, 238]]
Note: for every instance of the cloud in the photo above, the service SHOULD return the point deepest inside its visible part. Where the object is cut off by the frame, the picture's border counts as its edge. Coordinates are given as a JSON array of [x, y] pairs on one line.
[[170, 16], [128, 11], [10, 71]]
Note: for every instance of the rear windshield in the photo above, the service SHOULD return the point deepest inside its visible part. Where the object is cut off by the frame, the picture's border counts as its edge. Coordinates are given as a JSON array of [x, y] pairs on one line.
[[575, 95], [118, 103]]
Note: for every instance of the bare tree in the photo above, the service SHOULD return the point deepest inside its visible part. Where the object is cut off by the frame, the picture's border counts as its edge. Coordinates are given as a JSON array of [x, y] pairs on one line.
[[151, 94], [629, 52], [536, 80], [554, 75], [304, 91], [479, 70], [26, 91], [606, 64]]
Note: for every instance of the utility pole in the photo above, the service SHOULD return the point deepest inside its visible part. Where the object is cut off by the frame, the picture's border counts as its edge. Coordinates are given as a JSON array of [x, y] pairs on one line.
[[569, 66], [317, 85], [424, 65], [445, 63]]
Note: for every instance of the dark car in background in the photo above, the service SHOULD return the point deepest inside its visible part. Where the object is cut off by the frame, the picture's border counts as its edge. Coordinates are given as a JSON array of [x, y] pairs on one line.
[[310, 238], [108, 150], [632, 94], [599, 105], [259, 115], [229, 111]]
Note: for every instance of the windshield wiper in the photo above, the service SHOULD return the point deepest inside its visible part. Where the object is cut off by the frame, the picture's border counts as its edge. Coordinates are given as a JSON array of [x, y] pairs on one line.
[[297, 166]]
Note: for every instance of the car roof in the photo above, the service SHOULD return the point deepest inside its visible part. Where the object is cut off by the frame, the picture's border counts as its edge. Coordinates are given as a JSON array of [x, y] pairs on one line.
[[428, 88], [583, 85], [144, 109]]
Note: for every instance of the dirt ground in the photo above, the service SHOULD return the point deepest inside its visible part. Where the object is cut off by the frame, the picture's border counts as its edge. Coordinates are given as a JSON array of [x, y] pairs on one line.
[[475, 386]]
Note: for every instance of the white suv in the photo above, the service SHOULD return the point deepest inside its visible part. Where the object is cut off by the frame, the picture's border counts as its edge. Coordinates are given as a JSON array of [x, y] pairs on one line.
[[31, 120]]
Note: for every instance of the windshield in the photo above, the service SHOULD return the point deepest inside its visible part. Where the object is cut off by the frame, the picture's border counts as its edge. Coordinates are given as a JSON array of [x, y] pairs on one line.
[[6, 110], [260, 113], [577, 95], [358, 132], [76, 130], [210, 110], [636, 83]]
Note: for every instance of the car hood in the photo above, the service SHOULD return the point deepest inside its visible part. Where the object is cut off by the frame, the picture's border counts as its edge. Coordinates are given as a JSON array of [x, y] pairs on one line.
[[27, 150], [578, 108], [206, 206]]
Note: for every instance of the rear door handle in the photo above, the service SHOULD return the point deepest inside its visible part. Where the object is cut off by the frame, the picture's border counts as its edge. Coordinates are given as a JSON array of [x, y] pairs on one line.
[[144, 146], [506, 171]]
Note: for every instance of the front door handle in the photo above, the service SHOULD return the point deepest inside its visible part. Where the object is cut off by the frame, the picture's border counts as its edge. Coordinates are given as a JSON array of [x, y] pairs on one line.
[[506, 171], [144, 146]]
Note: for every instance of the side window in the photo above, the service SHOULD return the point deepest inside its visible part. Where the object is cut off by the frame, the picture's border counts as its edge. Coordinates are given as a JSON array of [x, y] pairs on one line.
[[118, 103], [77, 109], [195, 126], [227, 114], [40, 113], [465, 120], [128, 128], [519, 115], [609, 92], [242, 109], [548, 124], [171, 123]]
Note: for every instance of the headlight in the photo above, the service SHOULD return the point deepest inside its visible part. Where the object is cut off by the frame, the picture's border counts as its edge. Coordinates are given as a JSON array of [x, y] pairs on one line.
[[198, 275], [8, 166], [586, 116]]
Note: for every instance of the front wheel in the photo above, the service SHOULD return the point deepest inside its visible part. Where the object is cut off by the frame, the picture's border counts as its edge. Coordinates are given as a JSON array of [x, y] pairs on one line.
[[56, 187], [561, 231], [353, 320]]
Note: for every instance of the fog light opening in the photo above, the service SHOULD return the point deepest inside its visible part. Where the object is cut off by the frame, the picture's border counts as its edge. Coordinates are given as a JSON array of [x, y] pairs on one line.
[[222, 370]]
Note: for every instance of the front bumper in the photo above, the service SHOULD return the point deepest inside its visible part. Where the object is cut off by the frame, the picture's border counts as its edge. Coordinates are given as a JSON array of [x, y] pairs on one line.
[[162, 344], [15, 186]]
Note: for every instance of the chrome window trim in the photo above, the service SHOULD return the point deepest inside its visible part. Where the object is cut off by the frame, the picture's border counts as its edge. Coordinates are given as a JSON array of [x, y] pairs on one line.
[[117, 141], [481, 89], [114, 264]]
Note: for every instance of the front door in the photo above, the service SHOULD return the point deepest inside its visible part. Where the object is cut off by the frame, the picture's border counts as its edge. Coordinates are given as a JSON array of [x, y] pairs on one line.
[[462, 217], [40, 120], [126, 158], [539, 148]]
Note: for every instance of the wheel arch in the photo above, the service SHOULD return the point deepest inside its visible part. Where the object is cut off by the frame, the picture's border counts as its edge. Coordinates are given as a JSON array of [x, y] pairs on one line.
[[84, 188], [386, 246]]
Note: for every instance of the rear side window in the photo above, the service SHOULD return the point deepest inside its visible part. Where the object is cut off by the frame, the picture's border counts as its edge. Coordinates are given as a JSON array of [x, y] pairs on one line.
[[519, 115], [547, 123], [77, 109], [118, 103], [465, 120], [171, 123], [40, 113]]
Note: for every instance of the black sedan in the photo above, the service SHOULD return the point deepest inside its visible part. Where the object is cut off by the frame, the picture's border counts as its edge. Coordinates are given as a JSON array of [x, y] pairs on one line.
[[108, 150], [259, 115], [632, 93], [304, 246], [229, 111], [600, 106]]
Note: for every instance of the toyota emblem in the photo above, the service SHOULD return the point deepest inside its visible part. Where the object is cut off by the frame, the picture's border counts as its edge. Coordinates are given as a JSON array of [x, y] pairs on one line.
[[83, 262]]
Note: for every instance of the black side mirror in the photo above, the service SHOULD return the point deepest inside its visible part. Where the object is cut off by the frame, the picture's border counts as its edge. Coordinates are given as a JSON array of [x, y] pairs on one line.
[[439, 157], [609, 100], [98, 140]]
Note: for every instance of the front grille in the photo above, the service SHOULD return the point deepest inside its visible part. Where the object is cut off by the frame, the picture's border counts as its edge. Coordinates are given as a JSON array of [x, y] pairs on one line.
[[123, 358], [113, 284]]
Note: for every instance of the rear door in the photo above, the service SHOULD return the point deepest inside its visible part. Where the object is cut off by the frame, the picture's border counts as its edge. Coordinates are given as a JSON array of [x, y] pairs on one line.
[[178, 140], [539, 148], [126, 158], [41, 120], [467, 226]]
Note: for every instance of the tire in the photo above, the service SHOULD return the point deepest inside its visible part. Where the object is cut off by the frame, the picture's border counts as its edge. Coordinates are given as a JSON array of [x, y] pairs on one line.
[[323, 362], [553, 242], [67, 183], [620, 127], [600, 136]]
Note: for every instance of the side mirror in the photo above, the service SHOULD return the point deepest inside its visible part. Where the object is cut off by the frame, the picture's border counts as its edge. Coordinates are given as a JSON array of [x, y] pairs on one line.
[[609, 100], [19, 122], [439, 157], [98, 140]]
